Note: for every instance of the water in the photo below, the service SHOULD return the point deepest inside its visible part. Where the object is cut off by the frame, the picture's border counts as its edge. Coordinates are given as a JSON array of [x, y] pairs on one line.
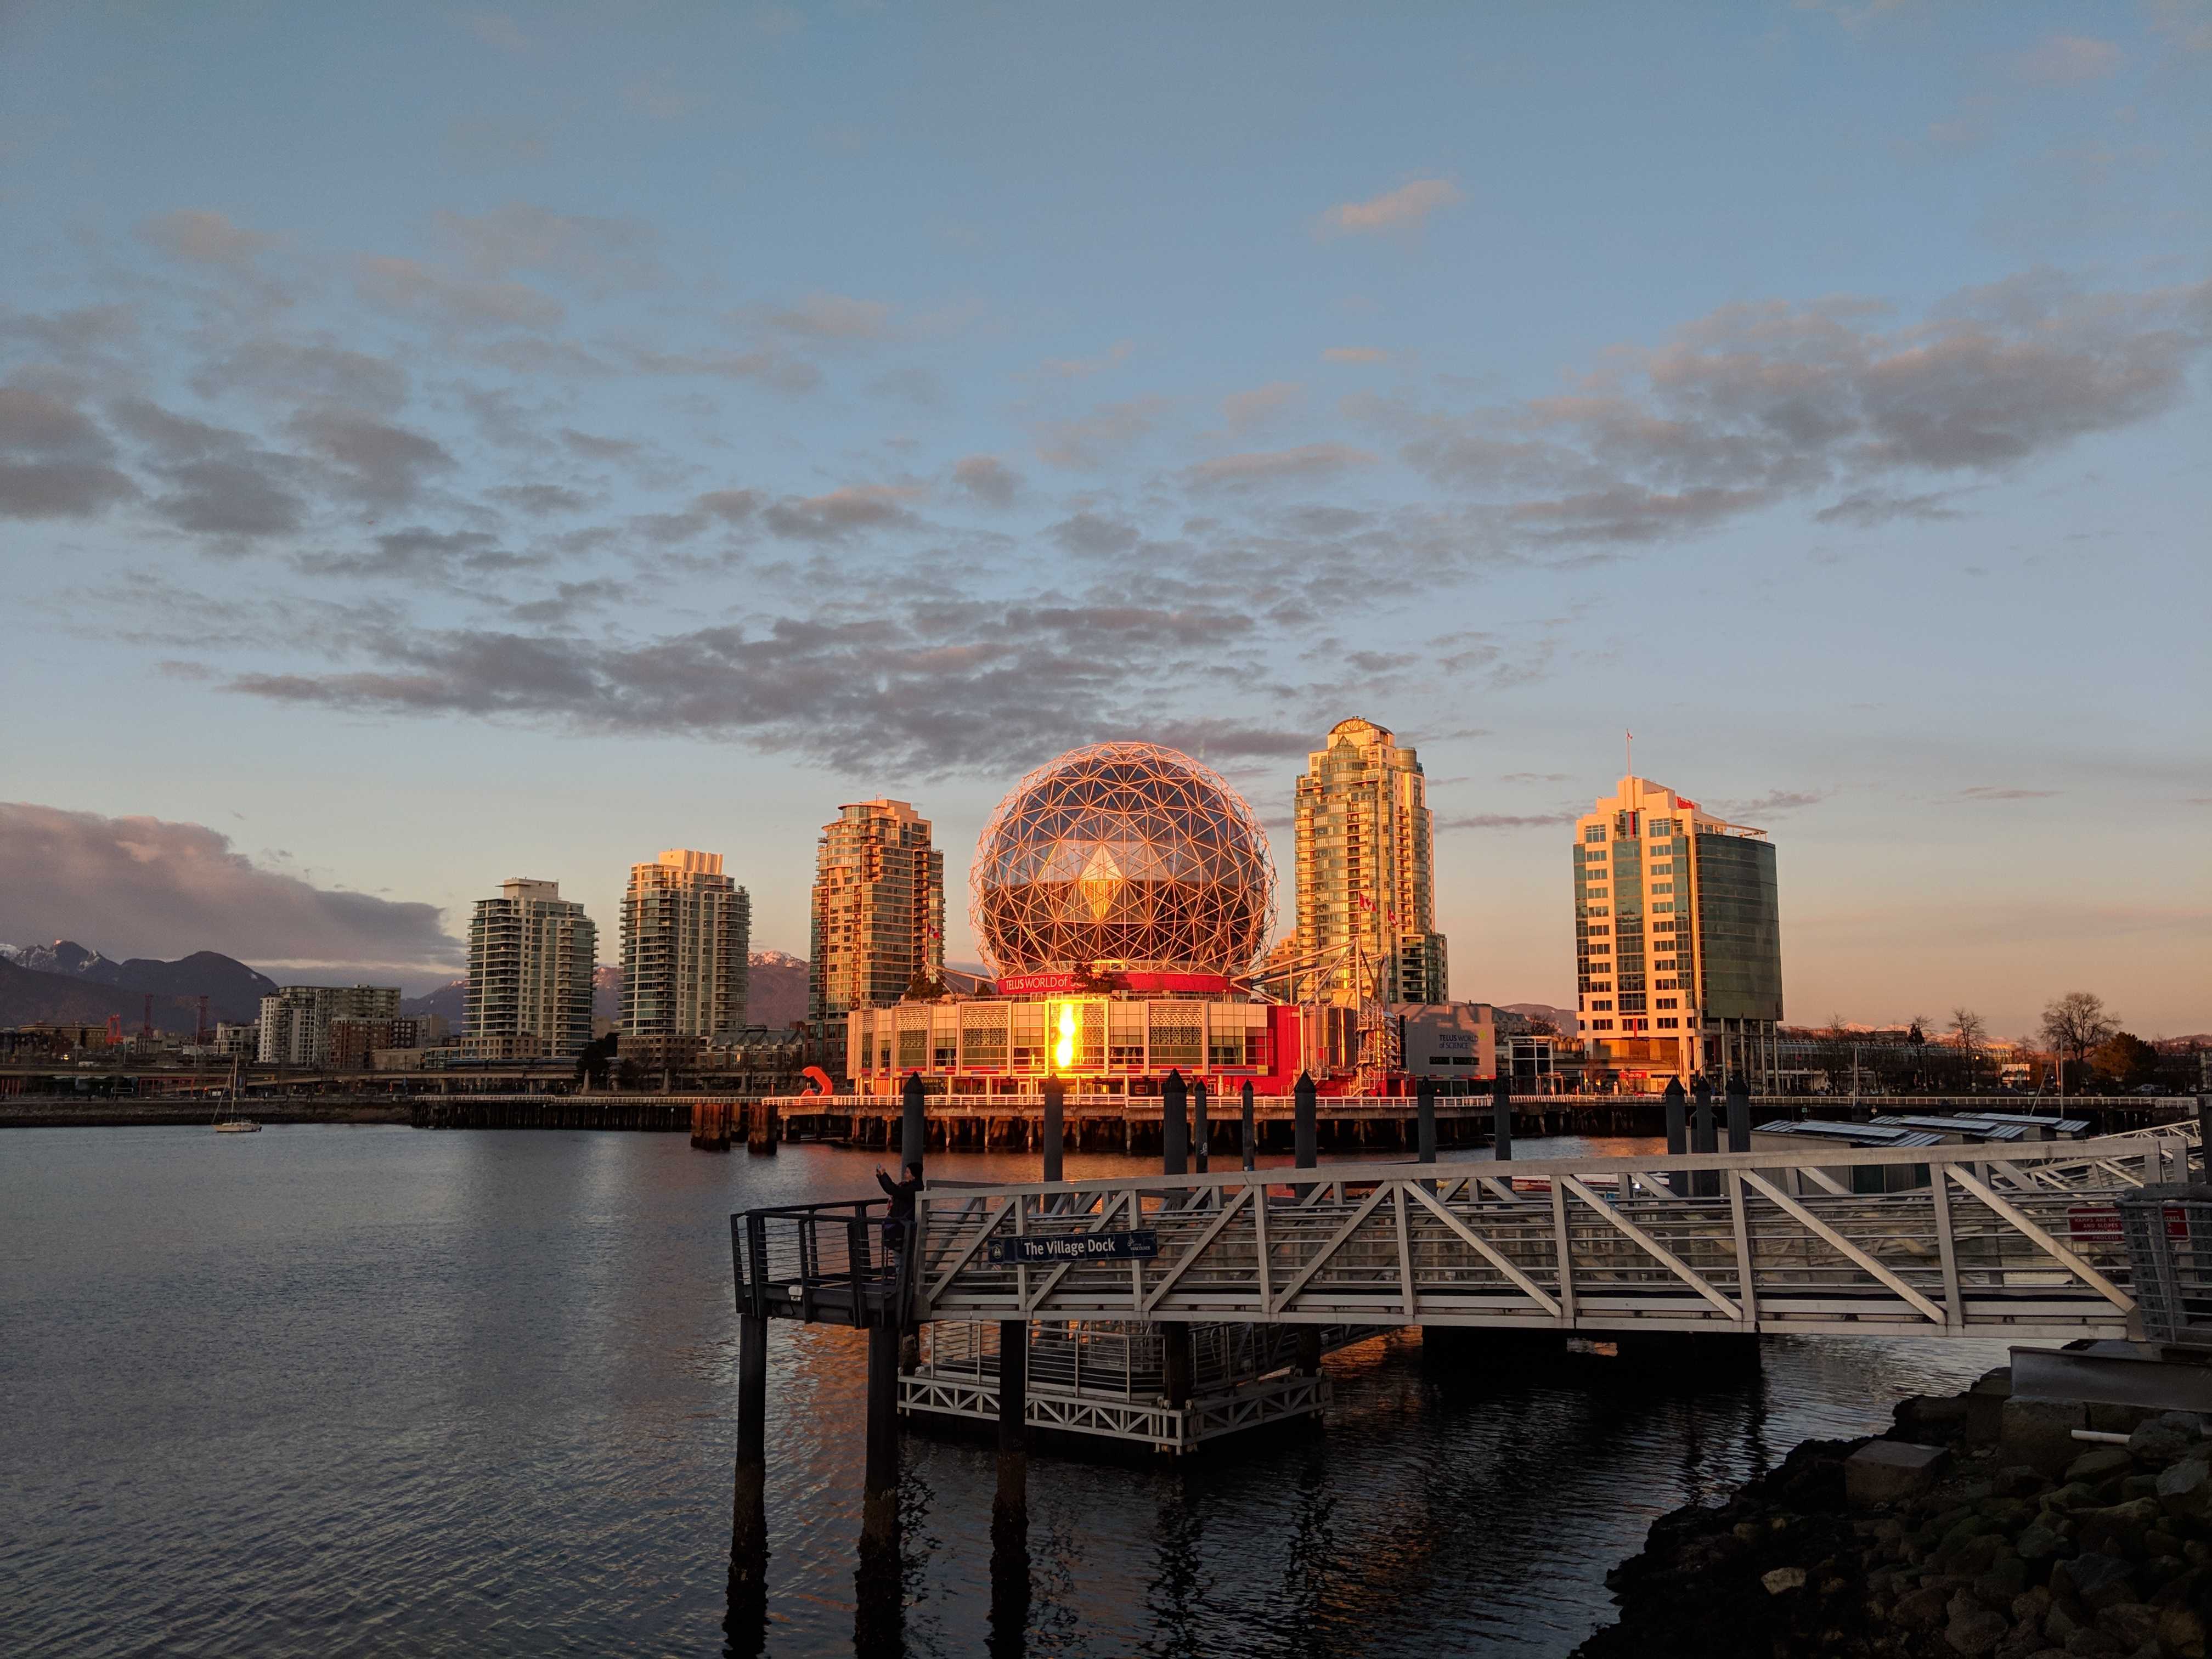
[[323, 1391]]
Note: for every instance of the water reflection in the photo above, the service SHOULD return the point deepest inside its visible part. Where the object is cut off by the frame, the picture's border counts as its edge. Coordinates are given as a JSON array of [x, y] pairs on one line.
[[383, 1390]]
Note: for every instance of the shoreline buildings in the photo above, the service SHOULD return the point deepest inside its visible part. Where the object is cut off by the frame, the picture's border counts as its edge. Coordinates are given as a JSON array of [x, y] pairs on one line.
[[1367, 888], [531, 954], [878, 921], [686, 940], [294, 1028], [1677, 939]]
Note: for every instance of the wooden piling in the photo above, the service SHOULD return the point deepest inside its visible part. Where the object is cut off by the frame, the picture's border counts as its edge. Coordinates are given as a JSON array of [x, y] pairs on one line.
[[1011, 1505]]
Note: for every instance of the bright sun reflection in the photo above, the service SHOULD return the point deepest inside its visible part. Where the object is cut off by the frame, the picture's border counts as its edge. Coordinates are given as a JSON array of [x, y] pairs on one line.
[[1063, 1052]]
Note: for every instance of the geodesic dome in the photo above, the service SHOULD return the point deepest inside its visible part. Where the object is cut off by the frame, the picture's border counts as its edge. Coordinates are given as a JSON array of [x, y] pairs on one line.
[[1122, 853]]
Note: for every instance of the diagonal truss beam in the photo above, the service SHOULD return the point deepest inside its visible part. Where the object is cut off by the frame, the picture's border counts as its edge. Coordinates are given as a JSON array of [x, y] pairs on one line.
[[1653, 1247], [1212, 1231], [1858, 1258], [1488, 1252], [2044, 1241], [1373, 1201], [990, 1224]]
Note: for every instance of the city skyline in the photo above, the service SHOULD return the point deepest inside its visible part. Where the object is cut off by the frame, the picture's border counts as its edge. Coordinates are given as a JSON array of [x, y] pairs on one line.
[[657, 432]]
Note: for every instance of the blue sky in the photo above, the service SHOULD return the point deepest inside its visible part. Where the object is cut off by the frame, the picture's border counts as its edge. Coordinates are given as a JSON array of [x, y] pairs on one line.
[[437, 445]]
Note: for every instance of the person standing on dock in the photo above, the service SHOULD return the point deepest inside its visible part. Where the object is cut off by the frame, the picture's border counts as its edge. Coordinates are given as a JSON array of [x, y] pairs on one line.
[[899, 1222]]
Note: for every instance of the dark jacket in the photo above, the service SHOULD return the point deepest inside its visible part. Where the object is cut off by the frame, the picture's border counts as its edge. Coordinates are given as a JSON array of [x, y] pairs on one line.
[[901, 1193]]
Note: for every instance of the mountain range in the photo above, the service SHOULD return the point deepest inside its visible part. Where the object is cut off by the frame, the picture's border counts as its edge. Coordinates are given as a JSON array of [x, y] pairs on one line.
[[65, 983]]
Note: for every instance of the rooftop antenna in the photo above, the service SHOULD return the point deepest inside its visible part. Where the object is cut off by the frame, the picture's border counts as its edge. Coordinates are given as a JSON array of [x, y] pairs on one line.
[[1629, 744]]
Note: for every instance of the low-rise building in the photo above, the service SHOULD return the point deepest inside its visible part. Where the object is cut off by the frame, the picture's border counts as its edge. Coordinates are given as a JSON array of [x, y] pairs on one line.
[[294, 1028]]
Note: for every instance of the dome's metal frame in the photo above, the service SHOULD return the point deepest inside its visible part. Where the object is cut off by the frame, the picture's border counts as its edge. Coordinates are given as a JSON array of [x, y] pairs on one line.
[[1122, 854]]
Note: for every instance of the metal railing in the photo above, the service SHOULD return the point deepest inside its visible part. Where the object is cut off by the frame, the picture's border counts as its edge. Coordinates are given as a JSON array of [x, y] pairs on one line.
[[832, 1263], [2169, 1238], [2021, 1240]]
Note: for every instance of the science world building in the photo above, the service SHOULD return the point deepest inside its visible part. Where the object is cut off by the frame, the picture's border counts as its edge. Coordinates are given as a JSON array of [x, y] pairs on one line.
[[1124, 894]]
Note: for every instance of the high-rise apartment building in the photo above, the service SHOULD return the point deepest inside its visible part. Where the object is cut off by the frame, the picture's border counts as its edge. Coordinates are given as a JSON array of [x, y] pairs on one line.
[[295, 1020], [686, 933], [1677, 939], [1366, 862], [531, 956], [878, 915]]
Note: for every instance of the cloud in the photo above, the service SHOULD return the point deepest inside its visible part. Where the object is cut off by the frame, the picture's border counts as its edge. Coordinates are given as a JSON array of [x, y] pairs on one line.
[[987, 479], [1761, 402], [568, 598], [1092, 440], [2067, 60], [1244, 409], [771, 369], [595, 447], [1407, 208], [295, 372], [930, 686], [842, 513], [201, 237], [147, 886], [1271, 466], [2001, 792], [1503, 820], [1776, 803], [55, 460], [404, 288], [420, 555], [1076, 368], [540, 500], [1534, 777], [1354, 355], [600, 254], [1866, 508], [374, 462], [834, 316]]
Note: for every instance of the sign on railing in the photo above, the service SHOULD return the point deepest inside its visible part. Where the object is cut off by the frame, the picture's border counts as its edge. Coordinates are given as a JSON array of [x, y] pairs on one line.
[[1048, 1249]]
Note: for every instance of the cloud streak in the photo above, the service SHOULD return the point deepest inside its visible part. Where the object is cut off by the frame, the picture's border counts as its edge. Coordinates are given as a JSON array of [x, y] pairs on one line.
[[150, 886]]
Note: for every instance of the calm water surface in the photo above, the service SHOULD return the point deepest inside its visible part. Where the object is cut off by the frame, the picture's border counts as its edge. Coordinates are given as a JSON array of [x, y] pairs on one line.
[[325, 1391]]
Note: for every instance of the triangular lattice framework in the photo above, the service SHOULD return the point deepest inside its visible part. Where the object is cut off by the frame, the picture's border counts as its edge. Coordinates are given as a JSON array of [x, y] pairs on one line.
[[1127, 853]]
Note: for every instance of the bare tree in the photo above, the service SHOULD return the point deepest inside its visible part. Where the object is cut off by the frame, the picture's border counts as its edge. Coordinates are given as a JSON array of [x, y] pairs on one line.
[[1971, 1032], [2074, 1023]]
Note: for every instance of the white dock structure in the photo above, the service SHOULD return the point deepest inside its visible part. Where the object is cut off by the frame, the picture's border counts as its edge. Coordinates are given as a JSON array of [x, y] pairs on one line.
[[2012, 1241]]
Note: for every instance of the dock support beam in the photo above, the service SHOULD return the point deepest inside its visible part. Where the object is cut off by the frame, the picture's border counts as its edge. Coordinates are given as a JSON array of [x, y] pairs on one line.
[[1706, 1183], [1251, 1133], [1201, 1132], [1304, 1096], [913, 1124], [1424, 1111], [1174, 1365], [879, 1498], [1011, 1506], [1738, 1115], [878, 1593], [1175, 1126], [1055, 1097], [747, 1623], [1501, 1127], [1678, 1133]]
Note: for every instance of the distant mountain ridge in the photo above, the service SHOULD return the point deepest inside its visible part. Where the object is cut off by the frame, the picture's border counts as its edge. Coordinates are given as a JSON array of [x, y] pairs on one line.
[[233, 990]]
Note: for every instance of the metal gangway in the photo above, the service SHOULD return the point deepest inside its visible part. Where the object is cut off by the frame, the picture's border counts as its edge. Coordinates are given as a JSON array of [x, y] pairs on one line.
[[2016, 1241]]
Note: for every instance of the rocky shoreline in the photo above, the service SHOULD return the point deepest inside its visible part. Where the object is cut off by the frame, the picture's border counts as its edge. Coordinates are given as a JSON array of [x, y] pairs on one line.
[[1976, 1525]]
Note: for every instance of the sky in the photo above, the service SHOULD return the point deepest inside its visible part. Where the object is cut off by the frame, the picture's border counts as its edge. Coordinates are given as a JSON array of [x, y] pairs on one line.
[[441, 445]]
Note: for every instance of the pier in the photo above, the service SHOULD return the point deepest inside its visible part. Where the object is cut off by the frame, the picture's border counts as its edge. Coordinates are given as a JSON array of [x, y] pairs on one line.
[[1172, 1309]]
